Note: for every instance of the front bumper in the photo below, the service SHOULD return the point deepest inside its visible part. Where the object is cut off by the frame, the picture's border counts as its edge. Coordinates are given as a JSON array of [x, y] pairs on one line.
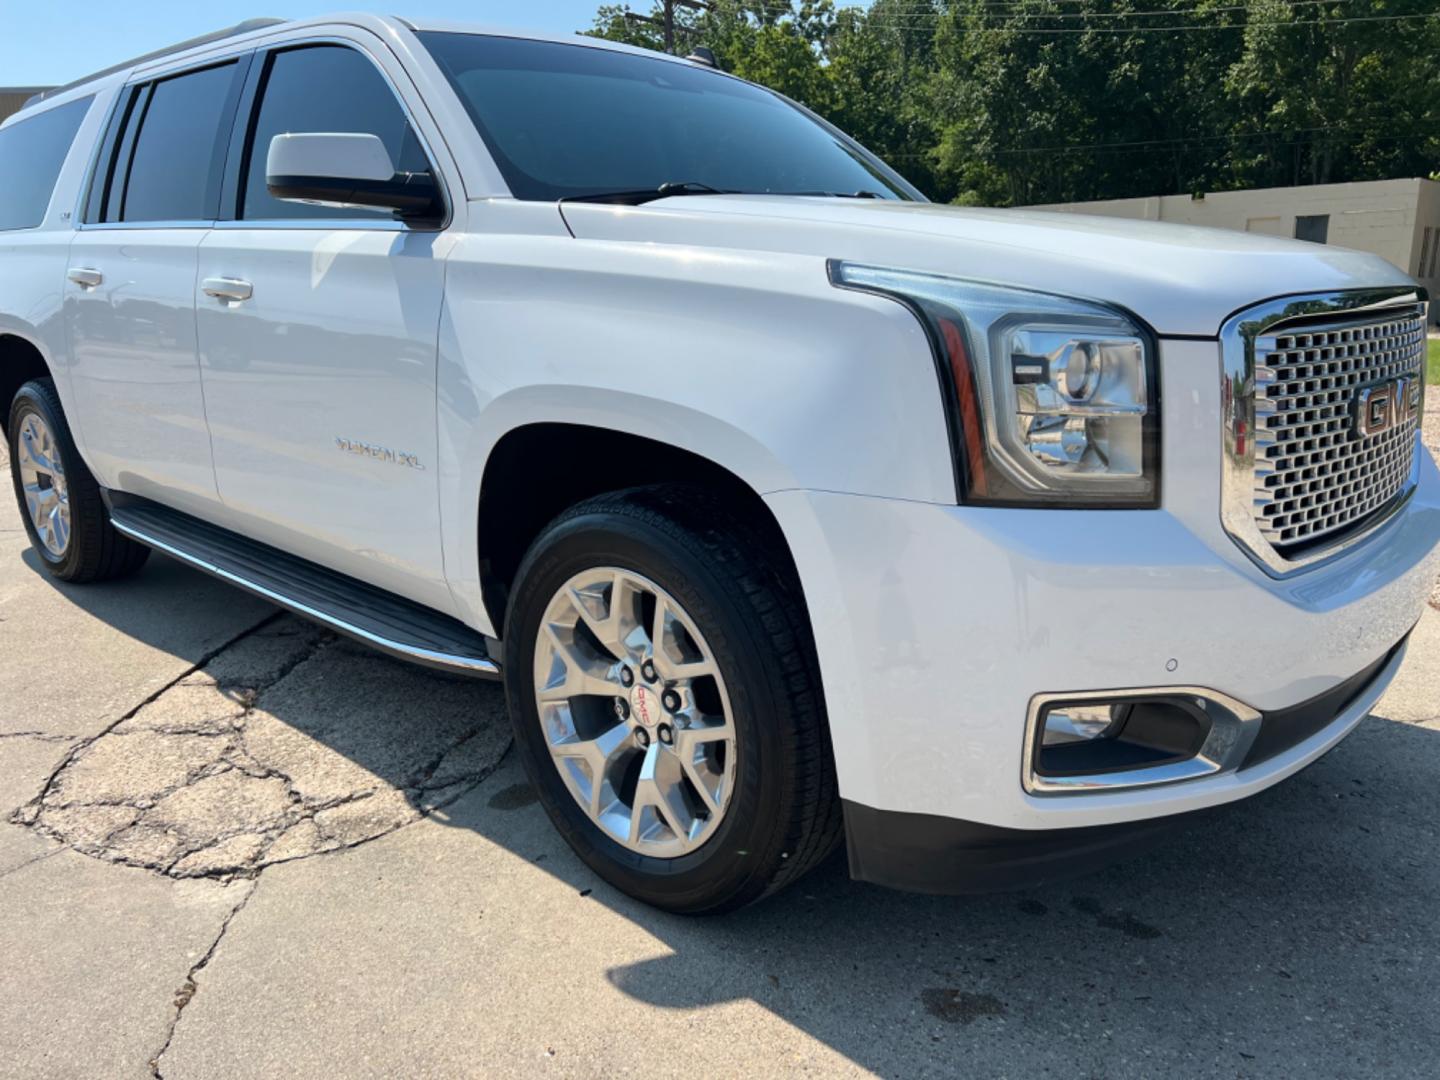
[[937, 625], [928, 853]]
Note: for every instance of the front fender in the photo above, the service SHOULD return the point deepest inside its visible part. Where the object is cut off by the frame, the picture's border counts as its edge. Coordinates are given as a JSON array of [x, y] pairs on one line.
[[751, 360]]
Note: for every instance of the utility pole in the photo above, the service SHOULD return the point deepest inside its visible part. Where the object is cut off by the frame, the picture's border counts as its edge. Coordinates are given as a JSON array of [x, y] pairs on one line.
[[666, 21]]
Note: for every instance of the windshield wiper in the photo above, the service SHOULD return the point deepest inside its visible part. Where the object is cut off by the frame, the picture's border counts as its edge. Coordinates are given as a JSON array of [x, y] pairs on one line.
[[644, 195], [832, 194]]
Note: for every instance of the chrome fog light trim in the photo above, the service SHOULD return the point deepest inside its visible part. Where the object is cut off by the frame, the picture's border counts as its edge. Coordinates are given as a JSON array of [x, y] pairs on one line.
[[1233, 727]]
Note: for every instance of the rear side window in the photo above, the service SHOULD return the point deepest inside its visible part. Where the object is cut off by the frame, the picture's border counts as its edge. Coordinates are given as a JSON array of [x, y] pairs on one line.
[[324, 89], [176, 139], [31, 154]]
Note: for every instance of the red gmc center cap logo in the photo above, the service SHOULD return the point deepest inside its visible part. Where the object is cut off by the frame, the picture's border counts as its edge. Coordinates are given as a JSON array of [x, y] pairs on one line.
[[644, 706]]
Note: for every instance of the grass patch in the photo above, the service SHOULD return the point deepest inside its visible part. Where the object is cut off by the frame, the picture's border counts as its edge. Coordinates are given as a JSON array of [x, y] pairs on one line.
[[1432, 363]]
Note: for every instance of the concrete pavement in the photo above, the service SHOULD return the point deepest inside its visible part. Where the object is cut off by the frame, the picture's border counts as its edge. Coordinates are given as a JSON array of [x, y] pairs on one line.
[[231, 845]]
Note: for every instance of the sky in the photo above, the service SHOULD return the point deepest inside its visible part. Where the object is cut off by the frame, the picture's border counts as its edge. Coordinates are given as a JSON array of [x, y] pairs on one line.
[[49, 42]]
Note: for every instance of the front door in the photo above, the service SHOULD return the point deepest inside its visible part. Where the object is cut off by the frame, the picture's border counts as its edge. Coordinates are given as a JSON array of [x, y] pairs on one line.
[[318, 334]]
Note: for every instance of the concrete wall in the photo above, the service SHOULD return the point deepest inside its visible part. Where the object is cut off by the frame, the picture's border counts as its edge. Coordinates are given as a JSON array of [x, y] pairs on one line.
[[1386, 217], [13, 98], [1427, 220]]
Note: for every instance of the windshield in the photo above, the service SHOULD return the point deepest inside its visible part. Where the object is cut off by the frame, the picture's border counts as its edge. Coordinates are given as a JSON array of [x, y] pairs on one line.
[[568, 121]]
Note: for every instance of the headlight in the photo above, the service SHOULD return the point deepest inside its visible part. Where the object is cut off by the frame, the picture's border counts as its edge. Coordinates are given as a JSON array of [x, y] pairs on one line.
[[1052, 401]]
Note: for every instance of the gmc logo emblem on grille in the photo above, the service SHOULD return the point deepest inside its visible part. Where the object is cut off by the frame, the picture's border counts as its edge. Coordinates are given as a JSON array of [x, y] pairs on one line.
[[1382, 406]]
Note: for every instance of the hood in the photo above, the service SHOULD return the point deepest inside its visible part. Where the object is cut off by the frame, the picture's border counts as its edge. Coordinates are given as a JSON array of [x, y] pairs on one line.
[[1182, 280]]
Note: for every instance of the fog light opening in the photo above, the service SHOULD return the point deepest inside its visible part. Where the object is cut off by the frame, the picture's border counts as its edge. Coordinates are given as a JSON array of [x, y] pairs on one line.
[[1098, 737]]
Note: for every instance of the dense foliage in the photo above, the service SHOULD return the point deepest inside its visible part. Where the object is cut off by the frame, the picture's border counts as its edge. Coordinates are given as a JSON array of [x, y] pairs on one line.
[[1009, 102]]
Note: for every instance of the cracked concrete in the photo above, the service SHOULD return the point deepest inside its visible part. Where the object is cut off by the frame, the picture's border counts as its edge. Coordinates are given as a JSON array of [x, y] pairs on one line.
[[130, 650], [92, 953], [188, 989], [283, 746]]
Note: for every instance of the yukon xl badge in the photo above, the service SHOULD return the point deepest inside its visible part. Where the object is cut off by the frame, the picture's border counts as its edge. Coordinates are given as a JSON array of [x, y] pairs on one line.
[[379, 453]]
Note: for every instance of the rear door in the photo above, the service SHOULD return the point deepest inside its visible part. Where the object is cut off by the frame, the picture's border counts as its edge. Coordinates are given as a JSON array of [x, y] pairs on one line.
[[318, 331], [130, 291]]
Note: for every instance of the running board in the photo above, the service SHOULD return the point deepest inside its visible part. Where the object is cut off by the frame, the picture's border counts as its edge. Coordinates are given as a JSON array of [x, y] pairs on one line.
[[393, 625]]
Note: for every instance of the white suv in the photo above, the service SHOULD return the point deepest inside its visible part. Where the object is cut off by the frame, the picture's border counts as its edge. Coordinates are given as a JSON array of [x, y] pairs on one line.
[[789, 505]]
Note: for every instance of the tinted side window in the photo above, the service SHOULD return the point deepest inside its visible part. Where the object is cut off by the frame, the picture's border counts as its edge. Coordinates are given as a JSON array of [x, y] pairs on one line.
[[31, 155], [324, 88], [178, 154]]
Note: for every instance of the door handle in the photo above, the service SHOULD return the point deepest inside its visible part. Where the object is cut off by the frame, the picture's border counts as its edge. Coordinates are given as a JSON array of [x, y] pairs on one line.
[[224, 288], [85, 278]]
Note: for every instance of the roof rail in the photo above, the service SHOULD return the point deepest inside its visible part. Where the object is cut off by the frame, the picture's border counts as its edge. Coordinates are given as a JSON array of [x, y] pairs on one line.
[[246, 27]]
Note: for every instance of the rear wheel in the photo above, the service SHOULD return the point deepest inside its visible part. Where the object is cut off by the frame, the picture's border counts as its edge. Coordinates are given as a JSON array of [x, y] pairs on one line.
[[667, 703], [59, 499]]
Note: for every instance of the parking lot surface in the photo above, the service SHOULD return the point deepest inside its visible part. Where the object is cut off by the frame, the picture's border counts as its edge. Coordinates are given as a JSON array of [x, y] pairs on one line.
[[233, 845]]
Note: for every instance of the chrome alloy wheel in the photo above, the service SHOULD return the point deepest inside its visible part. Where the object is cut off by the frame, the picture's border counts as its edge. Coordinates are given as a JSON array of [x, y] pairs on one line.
[[42, 478], [635, 712]]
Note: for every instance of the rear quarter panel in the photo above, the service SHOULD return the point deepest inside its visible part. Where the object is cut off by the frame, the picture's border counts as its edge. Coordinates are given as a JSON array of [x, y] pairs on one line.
[[33, 261]]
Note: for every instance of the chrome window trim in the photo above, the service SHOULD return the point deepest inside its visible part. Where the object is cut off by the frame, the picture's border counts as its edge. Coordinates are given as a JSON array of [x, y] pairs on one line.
[[264, 45], [1237, 359], [1233, 728], [131, 226]]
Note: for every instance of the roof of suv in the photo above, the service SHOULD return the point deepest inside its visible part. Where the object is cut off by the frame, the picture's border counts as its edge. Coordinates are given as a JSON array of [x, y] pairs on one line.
[[255, 26]]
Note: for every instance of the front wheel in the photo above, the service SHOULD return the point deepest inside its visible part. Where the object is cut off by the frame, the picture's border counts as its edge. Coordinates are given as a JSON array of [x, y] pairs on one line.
[[666, 700]]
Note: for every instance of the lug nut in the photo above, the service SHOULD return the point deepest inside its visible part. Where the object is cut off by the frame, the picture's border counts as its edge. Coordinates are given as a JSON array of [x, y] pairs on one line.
[[642, 737], [671, 700], [622, 708], [648, 670], [627, 677], [666, 735]]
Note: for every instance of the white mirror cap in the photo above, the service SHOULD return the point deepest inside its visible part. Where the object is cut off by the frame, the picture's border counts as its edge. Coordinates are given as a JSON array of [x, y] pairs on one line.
[[329, 155]]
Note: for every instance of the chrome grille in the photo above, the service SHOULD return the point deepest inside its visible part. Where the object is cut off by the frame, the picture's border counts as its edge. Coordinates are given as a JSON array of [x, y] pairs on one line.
[[1314, 475]]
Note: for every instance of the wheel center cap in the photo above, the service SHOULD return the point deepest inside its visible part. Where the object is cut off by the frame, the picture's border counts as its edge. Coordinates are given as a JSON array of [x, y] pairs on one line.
[[644, 705]]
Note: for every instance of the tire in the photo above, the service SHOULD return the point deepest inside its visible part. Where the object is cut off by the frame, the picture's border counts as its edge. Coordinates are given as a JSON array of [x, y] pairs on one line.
[[92, 550], [783, 811]]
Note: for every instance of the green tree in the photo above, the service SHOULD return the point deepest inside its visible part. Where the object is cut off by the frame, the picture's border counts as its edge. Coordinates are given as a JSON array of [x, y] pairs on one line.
[[1025, 101]]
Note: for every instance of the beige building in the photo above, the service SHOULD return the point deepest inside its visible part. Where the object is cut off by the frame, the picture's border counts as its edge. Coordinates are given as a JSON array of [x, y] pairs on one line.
[[1398, 219], [13, 98]]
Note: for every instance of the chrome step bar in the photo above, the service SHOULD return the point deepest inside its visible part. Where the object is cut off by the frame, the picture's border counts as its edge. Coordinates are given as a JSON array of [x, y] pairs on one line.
[[391, 624]]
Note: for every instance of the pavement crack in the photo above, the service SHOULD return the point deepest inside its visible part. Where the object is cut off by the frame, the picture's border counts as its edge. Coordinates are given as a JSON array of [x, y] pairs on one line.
[[32, 861], [187, 990], [19, 815], [286, 744]]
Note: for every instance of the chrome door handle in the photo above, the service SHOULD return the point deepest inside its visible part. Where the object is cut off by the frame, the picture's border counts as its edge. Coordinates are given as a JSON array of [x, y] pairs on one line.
[[85, 278], [224, 288]]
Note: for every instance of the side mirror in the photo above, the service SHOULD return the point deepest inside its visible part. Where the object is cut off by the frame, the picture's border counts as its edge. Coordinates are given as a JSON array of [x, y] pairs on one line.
[[335, 169]]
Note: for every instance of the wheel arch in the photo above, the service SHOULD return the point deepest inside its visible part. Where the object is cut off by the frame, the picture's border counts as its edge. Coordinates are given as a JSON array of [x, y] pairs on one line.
[[537, 470], [21, 360]]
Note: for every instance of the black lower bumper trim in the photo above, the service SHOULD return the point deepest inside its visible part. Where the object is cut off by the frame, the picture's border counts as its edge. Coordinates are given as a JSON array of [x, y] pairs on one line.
[[932, 854], [1285, 729]]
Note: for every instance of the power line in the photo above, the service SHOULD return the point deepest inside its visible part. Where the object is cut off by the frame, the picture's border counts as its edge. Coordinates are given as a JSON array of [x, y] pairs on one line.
[[924, 20], [1172, 12], [1303, 25], [1166, 145]]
